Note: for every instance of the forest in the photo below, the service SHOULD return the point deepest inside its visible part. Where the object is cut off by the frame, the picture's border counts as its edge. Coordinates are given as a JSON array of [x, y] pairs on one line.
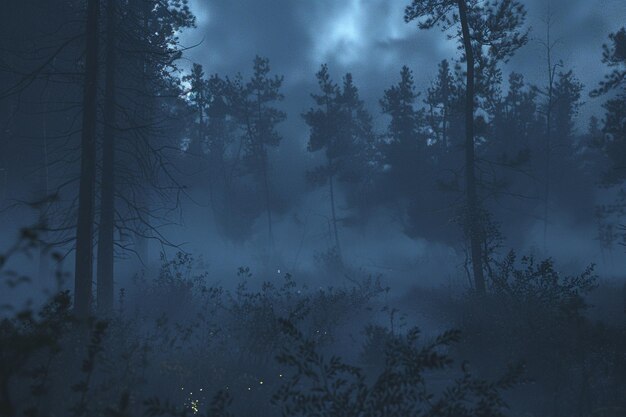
[[368, 208]]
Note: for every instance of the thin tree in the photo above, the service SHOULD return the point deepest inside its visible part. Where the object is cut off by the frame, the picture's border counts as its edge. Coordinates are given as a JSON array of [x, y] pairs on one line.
[[83, 271], [548, 44], [106, 230], [261, 119], [495, 25], [341, 127], [439, 99], [404, 146]]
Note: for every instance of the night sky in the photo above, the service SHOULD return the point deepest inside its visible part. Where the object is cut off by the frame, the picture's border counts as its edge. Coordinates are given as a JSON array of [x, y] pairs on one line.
[[370, 39]]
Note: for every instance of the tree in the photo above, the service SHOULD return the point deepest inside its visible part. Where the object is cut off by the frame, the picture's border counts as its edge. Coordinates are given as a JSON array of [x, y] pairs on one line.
[[341, 127], [361, 168], [613, 142], [495, 25], [402, 148], [83, 271], [199, 100], [567, 102], [261, 118], [440, 99], [106, 228], [404, 145], [325, 135], [549, 44], [136, 165]]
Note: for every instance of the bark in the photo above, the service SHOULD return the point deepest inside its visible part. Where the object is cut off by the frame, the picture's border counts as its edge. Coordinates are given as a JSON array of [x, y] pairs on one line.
[[105, 267], [266, 185], [548, 147], [43, 270], [332, 206], [470, 159], [268, 204], [83, 272]]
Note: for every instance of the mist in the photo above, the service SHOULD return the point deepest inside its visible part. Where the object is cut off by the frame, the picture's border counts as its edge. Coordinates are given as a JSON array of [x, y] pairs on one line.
[[361, 208]]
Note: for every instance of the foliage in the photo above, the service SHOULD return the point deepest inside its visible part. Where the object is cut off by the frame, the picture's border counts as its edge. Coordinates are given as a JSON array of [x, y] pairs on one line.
[[330, 387]]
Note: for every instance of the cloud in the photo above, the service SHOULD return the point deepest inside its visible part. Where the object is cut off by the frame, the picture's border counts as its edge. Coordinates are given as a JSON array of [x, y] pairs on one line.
[[370, 39]]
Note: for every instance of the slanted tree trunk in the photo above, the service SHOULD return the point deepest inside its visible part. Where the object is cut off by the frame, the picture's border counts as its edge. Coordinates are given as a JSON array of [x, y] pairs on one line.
[[105, 268], [475, 234], [83, 272]]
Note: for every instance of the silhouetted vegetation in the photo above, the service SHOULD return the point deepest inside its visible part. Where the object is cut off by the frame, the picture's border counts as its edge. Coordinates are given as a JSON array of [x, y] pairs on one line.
[[481, 181]]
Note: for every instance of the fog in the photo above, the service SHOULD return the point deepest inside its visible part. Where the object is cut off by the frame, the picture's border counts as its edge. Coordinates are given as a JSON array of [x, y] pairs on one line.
[[359, 208]]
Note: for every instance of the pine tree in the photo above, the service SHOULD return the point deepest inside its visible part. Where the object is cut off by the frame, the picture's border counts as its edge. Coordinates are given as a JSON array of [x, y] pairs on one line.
[[441, 98], [342, 128], [261, 118], [495, 25], [405, 145]]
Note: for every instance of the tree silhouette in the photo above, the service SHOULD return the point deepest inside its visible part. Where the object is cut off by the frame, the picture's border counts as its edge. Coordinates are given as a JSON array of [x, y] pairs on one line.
[[613, 140], [495, 25], [83, 271], [260, 117], [341, 127]]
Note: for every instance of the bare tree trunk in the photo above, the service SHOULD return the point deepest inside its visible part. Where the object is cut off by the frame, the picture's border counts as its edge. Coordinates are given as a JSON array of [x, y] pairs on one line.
[[105, 267], [143, 193], [470, 160], [445, 126], [83, 272], [268, 204], [332, 206], [43, 270], [548, 148]]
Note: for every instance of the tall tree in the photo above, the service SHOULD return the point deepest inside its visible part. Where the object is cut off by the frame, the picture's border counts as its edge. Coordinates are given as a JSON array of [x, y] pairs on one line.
[[199, 100], [440, 99], [549, 45], [83, 271], [106, 229], [341, 127], [613, 141], [566, 104], [495, 25], [404, 145], [261, 118], [324, 123], [134, 166]]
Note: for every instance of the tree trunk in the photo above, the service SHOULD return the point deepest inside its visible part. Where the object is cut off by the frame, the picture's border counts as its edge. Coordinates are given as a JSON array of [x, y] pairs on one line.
[[142, 202], [268, 205], [105, 268], [470, 174], [332, 206], [548, 148], [83, 271], [43, 270]]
